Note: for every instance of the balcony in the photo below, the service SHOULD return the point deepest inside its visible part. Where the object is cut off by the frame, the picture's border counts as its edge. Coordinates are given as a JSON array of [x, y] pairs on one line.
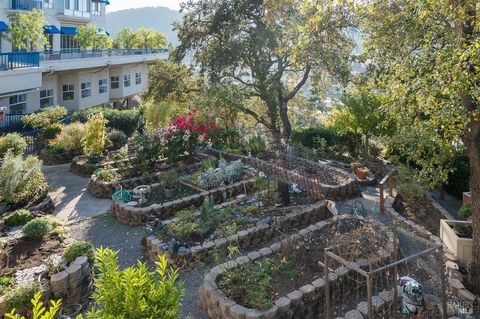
[[20, 60], [89, 54], [25, 5]]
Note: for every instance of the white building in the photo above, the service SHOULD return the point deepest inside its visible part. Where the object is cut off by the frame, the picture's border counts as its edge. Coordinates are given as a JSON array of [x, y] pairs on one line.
[[64, 74]]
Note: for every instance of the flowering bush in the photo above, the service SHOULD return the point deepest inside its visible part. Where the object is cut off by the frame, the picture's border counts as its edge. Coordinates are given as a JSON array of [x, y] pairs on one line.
[[183, 135]]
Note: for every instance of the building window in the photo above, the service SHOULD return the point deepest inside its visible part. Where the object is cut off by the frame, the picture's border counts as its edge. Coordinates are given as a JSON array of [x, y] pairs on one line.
[[48, 4], [46, 98], [102, 86], [69, 43], [126, 80], [76, 5], [86, 89], [67, 4], [138, 78], [114, 82], [18, 104], [97, 9], [68, 92]]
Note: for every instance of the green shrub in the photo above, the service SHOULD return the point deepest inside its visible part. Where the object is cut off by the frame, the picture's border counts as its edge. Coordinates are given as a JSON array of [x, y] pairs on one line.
[[21, 181], [94, 139], [54, 149], [118, 139], [18, 218], [5, 283], [14, 142], [80, 248], [45, 117], [38, 310], [319, 137], [155, 295], [20, 296], [37, 228], [465, 211], [225, 139], [51, 131], [107, 175], [410, 186], [126, 121], [459, 180], [256, 144], [70, 139], [147, 152]]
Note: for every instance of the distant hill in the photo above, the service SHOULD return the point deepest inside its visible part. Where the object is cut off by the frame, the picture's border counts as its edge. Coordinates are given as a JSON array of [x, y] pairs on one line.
[[158, 18]]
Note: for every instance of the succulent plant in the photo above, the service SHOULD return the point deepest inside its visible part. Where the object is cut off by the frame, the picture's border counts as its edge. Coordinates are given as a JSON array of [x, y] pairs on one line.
[[225, 174]]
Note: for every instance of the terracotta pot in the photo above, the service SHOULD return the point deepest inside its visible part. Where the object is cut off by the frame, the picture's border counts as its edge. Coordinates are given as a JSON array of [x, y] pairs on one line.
[[362, 173], [355, 166]]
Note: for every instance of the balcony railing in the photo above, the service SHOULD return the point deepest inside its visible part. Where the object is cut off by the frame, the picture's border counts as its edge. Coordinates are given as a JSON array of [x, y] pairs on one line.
[[85, 54], [19, 60], [26, 5]]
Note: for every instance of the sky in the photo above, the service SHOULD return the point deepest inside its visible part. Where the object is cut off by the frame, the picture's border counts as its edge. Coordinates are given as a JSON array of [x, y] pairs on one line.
[[116, 5]]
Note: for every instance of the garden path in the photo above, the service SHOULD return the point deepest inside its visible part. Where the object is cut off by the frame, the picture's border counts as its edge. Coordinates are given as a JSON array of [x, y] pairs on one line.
[[450, 203], [72, 201]]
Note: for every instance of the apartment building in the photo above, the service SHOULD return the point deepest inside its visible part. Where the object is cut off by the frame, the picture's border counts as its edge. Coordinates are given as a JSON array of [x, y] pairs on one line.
[[64, 74]]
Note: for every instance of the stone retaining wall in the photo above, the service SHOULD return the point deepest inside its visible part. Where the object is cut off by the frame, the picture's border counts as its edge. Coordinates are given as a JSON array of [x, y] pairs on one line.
[[82, 167], [455, 277], [54, 159], [135, 216], [72, 285], [344, 190], [101, 189], [46, 206], [306, 302], [244, 239]]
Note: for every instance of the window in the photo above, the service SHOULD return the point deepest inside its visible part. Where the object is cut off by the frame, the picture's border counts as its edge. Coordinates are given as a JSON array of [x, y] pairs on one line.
[[48, 4], [46, 98], [67, 4], [69, 43], [114, 82], [76, 5], [126, 80], [97, 9], [18, 104], [102, 86], [86, 89], [138, 78], [68, 92]]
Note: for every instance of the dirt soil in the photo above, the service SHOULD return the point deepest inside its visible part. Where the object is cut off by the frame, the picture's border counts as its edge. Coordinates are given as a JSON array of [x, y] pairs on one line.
[[419, 210], [25, 253]]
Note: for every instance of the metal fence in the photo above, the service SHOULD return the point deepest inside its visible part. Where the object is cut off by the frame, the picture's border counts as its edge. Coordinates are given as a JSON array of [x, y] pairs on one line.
[[85, 54], [18, 60]]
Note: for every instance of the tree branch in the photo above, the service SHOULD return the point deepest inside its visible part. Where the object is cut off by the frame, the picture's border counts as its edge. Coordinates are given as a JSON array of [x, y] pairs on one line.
[[299, 85]]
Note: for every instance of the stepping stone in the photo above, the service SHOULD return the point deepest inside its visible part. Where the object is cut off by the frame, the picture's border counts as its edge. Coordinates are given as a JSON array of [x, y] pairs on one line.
[[353, 314]]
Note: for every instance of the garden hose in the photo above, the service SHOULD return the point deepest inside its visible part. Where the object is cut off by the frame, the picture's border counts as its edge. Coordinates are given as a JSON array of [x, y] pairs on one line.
[[122, 195]]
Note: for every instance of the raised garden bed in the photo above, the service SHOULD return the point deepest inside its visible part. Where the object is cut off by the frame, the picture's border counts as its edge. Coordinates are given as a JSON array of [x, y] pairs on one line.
[[54, 158], [135, 216], [81, 166], [284, 280], [457, 235], [311, 176], [237, 223], [420, 211], [102, 189]]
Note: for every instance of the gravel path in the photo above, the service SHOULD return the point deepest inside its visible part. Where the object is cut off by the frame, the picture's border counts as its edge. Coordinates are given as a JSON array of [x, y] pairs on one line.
[[451, 204]]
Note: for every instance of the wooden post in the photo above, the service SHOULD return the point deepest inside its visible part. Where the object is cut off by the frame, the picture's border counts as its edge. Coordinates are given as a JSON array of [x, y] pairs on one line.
[[369, 296], [390, 186], [327, 287], [382, 200]]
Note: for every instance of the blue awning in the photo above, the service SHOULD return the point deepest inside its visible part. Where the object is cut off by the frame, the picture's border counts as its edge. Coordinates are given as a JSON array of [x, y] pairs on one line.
[[51, 29], [68, 30], [3, 26]]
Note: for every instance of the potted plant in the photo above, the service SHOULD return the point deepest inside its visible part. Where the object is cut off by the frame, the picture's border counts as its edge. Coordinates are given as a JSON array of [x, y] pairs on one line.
[[169, 181], [457, 236], [362, 173], [94, 139]]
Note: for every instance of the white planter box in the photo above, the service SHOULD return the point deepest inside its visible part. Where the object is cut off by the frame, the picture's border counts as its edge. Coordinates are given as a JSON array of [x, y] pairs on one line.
[[461, 247]]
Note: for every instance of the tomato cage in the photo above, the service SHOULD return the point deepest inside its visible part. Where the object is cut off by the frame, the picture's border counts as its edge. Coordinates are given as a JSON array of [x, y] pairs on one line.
[[388, 273]]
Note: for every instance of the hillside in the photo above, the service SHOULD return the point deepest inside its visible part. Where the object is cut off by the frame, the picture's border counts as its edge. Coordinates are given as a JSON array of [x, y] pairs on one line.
[[158, 18]]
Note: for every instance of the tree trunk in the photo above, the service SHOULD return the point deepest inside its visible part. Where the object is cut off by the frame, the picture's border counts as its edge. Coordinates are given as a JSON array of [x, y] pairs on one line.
[[286, 126], [472, 140], [365, 147]]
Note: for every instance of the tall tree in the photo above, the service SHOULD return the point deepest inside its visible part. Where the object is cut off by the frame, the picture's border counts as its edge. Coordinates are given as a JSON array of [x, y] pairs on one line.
[[90, 37], [149, 38], [27, 30], [427, 56], [258, 44], [125, 39]]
